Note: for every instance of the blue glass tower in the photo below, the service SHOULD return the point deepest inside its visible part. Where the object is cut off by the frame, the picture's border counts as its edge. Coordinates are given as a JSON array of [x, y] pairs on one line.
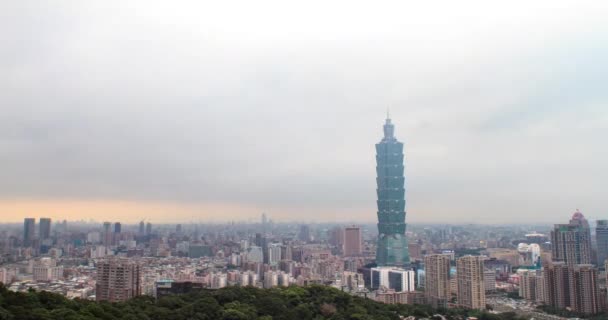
[[392, 245]]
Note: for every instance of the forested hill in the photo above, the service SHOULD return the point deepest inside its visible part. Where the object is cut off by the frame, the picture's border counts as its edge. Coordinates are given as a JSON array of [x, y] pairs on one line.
[[301, 303]]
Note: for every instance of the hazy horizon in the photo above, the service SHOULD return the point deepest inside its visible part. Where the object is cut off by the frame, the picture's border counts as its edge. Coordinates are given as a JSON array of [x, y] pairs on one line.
[[222, 111]]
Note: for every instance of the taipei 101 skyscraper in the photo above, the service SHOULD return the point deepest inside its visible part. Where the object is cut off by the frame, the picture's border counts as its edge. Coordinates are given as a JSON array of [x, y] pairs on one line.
[[392, 244]]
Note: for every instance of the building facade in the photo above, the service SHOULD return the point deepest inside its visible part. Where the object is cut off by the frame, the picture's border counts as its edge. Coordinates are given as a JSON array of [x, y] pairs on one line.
[[29, 231], [44, 231], [437, 280], [118, 279], [470, 278], [353, 241], [573, 287], [601, 237], [392, 248], [571, 243]]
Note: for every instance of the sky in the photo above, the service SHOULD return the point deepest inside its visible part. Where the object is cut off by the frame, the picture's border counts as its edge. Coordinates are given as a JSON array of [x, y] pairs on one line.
[[214, 111]]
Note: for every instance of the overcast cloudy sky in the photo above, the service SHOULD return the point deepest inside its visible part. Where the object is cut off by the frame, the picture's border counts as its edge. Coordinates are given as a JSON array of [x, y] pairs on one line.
[[219, 110]]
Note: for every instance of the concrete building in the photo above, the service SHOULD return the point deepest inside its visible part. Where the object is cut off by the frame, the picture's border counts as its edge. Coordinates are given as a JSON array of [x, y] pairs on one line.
[[573, 287], [353, 241], [437, 280], [118, 279], [107, 234], [470, 277], [398, 279], [271, 279], [571, 243], [601, 237], [29, 231], [274, 254], [46, 269], [44, 230], [489, 280]]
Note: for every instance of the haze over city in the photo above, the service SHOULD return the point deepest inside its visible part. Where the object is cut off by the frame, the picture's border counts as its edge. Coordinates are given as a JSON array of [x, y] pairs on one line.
[[218, 112]]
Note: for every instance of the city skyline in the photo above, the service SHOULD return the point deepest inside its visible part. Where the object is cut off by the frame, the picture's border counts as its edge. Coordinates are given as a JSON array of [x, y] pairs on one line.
[[179, 114]]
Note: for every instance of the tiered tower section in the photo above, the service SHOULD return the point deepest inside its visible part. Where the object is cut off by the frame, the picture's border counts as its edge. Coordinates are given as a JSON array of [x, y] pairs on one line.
[[392, 244]]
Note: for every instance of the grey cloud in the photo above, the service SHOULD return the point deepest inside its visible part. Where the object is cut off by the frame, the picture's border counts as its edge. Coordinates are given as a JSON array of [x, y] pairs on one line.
[[119, 106]]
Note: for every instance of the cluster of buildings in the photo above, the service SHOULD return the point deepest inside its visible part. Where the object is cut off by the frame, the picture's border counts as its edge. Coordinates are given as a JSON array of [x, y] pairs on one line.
[[444, 266]]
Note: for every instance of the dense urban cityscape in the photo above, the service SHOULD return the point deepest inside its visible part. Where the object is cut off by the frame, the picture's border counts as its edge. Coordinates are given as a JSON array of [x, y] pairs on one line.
[[303, 160], [536, 271]]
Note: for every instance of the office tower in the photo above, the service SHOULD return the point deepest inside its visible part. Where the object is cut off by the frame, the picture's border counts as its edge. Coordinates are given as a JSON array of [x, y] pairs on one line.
[[305, 234], [118, 280], [471, 288], [336, 237], [148, 228], [415, 250], [571, 243], [401, 280], [437, 279], [262, 242], [379, 278], [573, 286], [254, 254], [394, 278], [601, 237], [117, 227], [264, 223], [392, 249], [352, 241], [107, 234], [286, 252], [29, 231], [274, 254], [44, 229], [142, 228], [178, 228]]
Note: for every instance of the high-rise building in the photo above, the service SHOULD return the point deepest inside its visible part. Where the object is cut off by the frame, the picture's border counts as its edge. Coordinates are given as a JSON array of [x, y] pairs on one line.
[[437, 279], [402, 280], [398, 279], [305, 234], [601, 237], [264, 223], [142, 228], [573, 287], [528, 284], [470, 277], [44, 229], [117, 227], [336, 237], [118, 279], [353, 242], [274, 254], [107, 234], [392, 249], [254, 254], [571, 243], [29, 231], [148, 228]]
